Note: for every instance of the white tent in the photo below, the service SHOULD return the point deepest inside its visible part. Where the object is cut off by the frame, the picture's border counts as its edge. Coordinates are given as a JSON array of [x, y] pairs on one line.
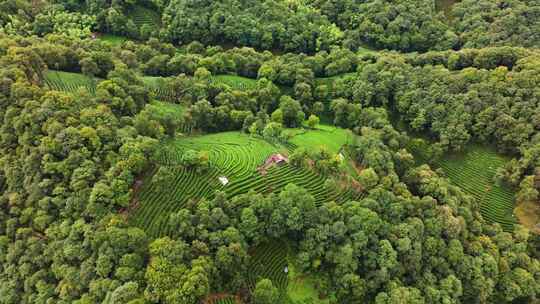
[[224, 181]]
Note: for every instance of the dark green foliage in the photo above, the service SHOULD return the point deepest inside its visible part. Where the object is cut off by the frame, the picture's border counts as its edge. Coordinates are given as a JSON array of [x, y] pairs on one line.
[[82, 172], [407, 25], [487, 23], [265, 24]]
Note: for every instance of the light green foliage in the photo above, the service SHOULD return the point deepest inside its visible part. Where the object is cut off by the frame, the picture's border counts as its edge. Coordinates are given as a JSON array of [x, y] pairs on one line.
[[292, 112], [313, 121], [287, 25], [482, 23], [368, 178], [527, 191], [265, 292], [170, 279], [446, 7], [272, 131], [72, 24], [404, 25]]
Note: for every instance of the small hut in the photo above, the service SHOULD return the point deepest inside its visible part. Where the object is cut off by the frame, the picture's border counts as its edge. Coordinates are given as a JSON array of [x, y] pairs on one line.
[[277, 159]]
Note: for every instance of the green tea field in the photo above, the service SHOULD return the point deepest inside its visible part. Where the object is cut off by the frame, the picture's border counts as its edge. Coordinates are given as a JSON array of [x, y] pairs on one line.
[[69, 82], [142, 15], [233, 155], [473, 170]]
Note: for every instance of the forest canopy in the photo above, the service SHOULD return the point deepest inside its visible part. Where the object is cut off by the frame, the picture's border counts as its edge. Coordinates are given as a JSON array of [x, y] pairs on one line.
[[269, 151]]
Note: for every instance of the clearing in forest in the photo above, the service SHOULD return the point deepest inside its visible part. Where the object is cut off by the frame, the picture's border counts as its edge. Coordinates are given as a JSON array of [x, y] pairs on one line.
[[236, 82], [445, 6], [112, 39], [473, 170], [145, 16], [235, 156], [72, 82], [274, 260], [69, 82]]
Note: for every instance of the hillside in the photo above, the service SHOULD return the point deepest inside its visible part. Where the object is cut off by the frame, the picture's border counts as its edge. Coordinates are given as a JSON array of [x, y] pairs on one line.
[[270, 152]]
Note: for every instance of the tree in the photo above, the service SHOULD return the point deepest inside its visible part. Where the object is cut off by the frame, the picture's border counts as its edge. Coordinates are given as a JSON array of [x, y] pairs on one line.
[[527, 191], [124, 294], [163, 178], [401, 295], [170, 279], [318, 108], [292, 112], [277, 116], [368, 178], [313, 121], [272, 131], [89, 67], [265, 293]]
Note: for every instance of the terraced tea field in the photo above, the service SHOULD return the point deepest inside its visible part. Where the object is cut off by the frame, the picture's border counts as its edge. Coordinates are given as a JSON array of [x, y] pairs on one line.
[[158, 86], [329, 81], [269, 261], [69, 82], [165, 109], [273, 261], [142, 15], [473, 171], [72, 82], [233, 155], [223, 300]]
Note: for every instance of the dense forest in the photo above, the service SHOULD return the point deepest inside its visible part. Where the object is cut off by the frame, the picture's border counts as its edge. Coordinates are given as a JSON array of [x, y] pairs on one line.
[[269, 151]]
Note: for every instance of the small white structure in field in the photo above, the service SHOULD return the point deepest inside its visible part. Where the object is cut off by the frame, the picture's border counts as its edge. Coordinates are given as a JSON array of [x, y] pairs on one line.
[[224, 181], [341, 157], [286, 269]]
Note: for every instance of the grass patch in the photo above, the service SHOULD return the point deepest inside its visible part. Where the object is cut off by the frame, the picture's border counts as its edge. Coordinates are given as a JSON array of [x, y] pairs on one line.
[[167, 108], [303, 288], [113, 39], [236, 82], [324, 136]]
